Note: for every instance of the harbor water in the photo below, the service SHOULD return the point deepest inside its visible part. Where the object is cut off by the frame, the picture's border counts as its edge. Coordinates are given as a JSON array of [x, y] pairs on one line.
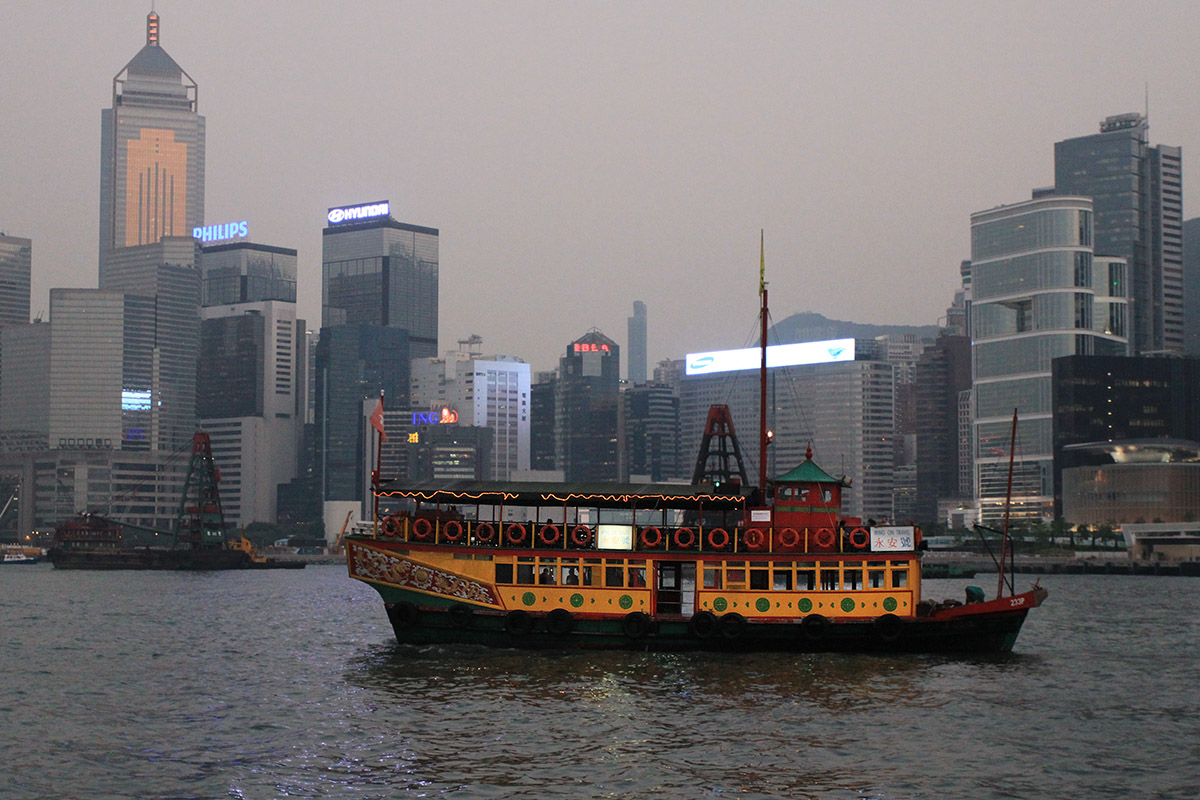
[[272, 684]]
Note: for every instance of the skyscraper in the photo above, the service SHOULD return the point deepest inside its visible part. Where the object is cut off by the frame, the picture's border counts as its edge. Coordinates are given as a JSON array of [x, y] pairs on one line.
[[637, 344], [166, 274], [151, 153], [586, 397], [1034, 282], [377, 271], [16, 261], [1136, 191]]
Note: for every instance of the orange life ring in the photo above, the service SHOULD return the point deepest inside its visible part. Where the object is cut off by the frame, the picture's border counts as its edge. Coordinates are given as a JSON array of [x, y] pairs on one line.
[[789, 538], [651, 537], [548, 535], [754, 538], [581, 536], [485, 533], [390, 526], [859, 538], [515, 533], [684, 538], [422, 528], [825, 537], [452, 531], [718, 538]]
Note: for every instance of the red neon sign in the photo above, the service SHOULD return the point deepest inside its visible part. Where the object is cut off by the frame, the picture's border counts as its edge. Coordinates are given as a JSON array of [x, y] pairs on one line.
[[581, 347]]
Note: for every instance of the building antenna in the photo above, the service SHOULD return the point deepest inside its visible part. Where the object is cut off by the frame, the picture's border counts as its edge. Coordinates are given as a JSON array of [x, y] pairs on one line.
[[1147, 108]]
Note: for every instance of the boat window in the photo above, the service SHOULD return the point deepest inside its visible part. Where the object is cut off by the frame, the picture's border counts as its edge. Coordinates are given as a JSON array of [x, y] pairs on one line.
[[546, 574], [736, 575], [525, 573], [806, 575], [760, 577], [569, 572], [637, 576], [712, 575], [827, 495], [829, 579], [899, 578], [783, 578], [877, 578], [614, 573], [504, 573], [484, 557], [852, 578]]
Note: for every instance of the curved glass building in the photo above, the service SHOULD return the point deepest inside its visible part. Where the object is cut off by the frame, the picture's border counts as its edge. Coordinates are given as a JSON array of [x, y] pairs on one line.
[[1035, 281]]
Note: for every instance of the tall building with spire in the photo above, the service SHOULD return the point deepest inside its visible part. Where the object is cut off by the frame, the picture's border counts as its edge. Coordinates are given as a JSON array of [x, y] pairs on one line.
[[151, 153]]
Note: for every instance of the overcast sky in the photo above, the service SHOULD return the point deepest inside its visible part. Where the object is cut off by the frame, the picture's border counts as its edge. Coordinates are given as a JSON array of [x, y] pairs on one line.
[[579, 156]]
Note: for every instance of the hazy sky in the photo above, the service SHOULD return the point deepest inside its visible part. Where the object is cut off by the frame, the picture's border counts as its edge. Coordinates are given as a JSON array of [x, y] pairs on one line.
[[579, 156]]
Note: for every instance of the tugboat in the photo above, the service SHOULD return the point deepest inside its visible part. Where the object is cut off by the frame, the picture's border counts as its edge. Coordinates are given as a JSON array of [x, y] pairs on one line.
[[200, 542], [714, 565]]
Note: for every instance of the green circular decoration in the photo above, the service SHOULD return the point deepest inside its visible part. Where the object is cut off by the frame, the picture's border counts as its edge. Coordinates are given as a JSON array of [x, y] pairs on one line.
[[763, 604], [528, 598], [847, 604], [625, 602], [719, 604], [889, 604], [576, 600], [805, 605]]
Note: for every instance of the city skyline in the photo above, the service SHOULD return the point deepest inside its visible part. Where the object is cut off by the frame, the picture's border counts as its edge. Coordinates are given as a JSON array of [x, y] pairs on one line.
[[572, 161]]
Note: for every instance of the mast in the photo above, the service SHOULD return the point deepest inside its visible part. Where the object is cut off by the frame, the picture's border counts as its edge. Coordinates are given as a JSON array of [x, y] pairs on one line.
[[1005, 546], [377, 424], [763, 438]]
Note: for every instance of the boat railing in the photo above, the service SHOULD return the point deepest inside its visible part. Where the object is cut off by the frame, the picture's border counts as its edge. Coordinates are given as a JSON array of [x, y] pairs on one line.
[[845, 539]]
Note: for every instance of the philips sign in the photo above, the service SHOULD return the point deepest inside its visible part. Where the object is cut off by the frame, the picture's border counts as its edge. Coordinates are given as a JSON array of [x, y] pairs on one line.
[[778, 355], [219, 233], [355, 213]]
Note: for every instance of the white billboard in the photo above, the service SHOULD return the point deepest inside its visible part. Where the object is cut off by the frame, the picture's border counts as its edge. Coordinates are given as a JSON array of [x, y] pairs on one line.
[[778, 355]]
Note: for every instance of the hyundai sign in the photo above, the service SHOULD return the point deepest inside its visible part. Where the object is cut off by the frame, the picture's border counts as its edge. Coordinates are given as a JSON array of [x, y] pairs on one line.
[[360, 212], [778, 355]]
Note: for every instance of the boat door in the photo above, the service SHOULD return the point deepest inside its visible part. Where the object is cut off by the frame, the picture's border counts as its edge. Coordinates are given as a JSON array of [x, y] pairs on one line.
[[675, 588]]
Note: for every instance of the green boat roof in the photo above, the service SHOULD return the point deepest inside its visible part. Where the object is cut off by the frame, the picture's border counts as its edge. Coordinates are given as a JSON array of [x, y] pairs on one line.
[[601, 495], [808, 472]]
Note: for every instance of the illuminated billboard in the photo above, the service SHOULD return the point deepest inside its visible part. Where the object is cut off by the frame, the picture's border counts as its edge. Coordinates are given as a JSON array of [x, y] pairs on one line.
[[219, 233], [360, 212], [778, 355]]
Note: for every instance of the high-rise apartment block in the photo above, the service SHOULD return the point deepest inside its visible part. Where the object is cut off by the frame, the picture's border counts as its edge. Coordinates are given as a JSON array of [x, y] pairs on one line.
[[151, 153], [1137, 196], [484, 392]]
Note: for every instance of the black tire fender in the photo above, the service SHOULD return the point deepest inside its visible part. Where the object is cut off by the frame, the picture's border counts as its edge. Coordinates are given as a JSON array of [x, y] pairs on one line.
[[635, 625], [560, 622], [518, 622]]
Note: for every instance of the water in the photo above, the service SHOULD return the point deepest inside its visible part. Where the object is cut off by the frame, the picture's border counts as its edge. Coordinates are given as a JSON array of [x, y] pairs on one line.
[[289, 684]]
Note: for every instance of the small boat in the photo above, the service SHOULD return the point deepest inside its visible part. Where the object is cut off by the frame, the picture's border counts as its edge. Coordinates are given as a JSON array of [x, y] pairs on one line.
[[714, 565], [19, 555]]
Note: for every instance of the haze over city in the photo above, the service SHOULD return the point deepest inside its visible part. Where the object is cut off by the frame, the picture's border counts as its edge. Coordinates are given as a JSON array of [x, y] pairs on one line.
[[578, 157]]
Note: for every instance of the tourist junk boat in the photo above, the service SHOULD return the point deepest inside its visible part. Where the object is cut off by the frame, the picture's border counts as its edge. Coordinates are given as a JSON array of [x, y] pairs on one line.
[[709, 566]]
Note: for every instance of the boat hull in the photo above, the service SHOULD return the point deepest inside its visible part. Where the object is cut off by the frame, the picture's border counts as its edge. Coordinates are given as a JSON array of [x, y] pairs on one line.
[[150, 558], [989, 630]]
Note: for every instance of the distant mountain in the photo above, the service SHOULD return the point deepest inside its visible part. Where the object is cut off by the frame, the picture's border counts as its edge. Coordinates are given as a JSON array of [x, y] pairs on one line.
[[809, 326]]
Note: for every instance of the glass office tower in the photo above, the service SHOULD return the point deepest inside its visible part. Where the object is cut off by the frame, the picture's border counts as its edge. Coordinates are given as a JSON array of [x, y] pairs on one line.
[[1034, 299], [1137, 194], [382, 272], [16, 262], [151, 153]]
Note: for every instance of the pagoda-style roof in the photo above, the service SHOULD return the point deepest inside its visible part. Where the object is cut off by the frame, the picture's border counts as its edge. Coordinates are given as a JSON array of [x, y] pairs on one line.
[[808, 472]]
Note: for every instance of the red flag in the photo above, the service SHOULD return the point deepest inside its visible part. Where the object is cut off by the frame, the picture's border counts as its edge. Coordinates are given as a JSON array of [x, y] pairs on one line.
[[377, 420]]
